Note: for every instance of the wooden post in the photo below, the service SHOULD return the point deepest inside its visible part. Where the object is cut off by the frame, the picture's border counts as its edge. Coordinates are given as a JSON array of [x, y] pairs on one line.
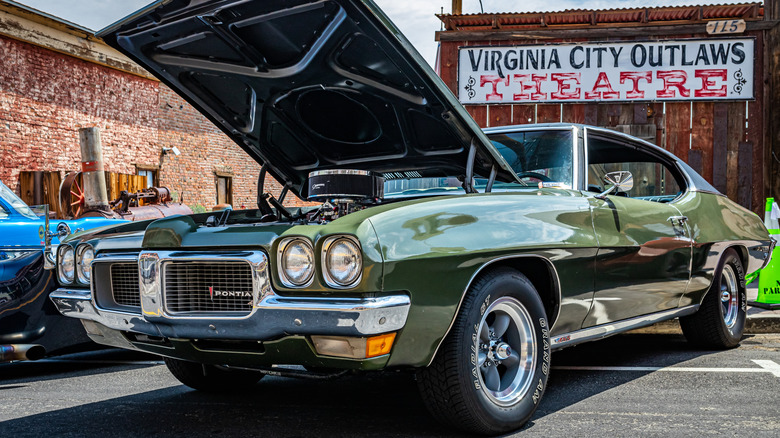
[[772, 104], [95, 194], [38, 187], [457, 7]]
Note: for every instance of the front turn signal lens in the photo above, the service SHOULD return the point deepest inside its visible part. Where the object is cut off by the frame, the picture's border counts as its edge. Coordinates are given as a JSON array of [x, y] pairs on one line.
[[379, 345], [353, 348]]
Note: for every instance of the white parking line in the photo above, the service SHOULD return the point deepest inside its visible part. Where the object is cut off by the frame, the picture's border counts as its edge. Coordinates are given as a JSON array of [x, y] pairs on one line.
[[767, 366]]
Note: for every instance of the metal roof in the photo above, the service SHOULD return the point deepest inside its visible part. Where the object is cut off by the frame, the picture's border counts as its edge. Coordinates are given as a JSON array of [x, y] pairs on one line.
[[596, 17]]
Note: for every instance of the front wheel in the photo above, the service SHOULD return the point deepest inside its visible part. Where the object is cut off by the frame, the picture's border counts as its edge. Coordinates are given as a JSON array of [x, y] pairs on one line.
[[210, 378], [491, 371], [720, 320]]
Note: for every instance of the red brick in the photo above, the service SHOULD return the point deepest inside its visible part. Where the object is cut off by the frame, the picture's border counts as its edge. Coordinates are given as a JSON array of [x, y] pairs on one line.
[[46, 96]]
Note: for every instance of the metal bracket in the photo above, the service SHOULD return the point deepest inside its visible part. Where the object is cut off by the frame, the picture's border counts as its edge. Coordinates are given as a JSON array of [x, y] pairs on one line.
[[468, 182]]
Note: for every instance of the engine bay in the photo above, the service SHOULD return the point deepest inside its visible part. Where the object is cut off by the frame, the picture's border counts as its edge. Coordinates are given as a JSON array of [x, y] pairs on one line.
[[339, 192]]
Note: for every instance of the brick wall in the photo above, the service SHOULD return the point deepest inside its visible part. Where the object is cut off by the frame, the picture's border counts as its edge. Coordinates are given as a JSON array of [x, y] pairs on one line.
[[46, 96]]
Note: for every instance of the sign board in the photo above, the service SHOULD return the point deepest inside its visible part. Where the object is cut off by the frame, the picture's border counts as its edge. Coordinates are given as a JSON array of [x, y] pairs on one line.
[[711, 69], [726, 26]]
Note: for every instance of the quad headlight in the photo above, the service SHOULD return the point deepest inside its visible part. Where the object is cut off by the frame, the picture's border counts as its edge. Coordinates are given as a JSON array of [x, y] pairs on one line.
[[342, 261], [296, 262], [66, 264], [84, 256]]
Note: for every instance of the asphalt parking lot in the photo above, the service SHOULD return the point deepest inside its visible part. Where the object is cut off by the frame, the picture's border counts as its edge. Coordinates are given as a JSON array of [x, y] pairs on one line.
[[628, 385]]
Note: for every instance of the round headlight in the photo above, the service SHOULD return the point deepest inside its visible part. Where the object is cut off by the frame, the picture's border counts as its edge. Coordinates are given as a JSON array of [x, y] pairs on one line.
[[297, 263], [343, 262], [84, 257], [66, 264]]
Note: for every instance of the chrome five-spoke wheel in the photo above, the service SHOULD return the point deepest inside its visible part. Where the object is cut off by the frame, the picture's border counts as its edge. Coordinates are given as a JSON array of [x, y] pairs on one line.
[[720, 320], [491, 371], [729, 295], [506, 351]]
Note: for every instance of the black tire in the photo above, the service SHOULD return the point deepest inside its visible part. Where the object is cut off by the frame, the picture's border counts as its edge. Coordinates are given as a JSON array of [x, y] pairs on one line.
[[720, 321], [453, 387], [210, 378]]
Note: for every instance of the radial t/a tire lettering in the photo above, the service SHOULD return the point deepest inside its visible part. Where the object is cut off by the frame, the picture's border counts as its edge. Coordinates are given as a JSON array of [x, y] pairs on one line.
[[720, 321], [210, 378], [491, 371]]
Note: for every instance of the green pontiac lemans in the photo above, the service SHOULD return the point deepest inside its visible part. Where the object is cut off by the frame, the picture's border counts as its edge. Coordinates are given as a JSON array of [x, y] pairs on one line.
[[464, 256]]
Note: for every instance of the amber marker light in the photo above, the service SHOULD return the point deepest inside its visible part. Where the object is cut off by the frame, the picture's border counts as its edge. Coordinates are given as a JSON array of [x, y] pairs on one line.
[[353, 348], [379, 345]]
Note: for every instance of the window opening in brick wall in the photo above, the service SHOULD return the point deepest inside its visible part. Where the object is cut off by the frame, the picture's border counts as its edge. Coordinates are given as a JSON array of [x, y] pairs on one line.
[[224, 190], [150, 175]]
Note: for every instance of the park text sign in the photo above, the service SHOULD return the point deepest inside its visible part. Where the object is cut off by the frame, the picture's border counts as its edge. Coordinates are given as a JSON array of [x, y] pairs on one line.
[[658, 70]]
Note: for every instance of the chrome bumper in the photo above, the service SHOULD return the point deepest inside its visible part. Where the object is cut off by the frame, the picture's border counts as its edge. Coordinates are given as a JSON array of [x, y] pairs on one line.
[[272, 318]]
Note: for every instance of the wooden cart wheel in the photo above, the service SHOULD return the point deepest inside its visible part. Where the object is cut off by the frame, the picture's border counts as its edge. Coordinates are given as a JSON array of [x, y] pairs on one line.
[[72, 199]]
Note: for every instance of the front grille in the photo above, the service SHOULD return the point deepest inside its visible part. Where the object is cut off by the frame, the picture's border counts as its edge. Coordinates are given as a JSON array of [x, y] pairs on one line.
[[208, 287], [124, 284]]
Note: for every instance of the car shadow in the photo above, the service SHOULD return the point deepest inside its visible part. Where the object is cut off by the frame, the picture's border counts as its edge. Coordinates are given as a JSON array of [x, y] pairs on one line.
[[385, 404], [76, 364]]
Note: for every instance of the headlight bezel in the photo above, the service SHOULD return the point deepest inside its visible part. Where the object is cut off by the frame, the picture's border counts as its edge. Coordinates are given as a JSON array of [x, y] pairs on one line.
[[327, 245], [62, 250], [80, 275], [281, 252]]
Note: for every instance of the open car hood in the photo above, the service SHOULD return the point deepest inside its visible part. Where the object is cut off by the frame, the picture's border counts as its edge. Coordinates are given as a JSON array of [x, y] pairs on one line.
[[307, 85]]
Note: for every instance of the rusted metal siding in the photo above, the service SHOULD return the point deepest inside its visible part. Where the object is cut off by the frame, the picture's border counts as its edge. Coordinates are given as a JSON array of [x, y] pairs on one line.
[[586, 17]]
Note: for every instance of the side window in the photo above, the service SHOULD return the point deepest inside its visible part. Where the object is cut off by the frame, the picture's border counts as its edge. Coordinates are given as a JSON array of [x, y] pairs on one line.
[[654, 179], [3, 212]]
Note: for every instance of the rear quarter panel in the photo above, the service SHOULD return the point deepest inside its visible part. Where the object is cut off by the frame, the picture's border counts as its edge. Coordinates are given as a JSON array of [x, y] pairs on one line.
[[716, 223]]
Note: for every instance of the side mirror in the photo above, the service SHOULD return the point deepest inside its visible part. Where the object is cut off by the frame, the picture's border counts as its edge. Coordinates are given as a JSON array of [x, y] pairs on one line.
[[620, 181]]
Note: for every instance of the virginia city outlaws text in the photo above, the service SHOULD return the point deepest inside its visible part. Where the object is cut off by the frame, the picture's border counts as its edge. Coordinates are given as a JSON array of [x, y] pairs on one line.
[[658, 70]]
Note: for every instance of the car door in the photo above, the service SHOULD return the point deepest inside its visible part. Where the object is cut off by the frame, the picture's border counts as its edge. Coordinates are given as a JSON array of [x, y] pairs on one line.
[[643, 261]]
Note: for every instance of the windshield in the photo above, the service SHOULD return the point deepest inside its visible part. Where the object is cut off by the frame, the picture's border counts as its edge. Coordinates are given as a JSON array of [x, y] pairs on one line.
[[14, 201], [537, 157]]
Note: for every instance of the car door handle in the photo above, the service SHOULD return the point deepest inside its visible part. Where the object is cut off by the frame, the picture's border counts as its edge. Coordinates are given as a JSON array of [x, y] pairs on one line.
[[678, 220]]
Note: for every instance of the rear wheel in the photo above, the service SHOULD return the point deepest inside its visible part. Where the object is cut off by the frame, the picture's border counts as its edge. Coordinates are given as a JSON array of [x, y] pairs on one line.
[[491, 371], [720, 321], [211, 378]]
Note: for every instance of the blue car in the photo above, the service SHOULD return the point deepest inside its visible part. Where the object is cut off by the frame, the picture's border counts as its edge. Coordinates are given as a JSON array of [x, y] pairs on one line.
[[30, 326]]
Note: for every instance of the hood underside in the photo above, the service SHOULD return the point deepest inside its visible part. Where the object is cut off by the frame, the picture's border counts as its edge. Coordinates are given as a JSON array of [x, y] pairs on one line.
[[306, 85]]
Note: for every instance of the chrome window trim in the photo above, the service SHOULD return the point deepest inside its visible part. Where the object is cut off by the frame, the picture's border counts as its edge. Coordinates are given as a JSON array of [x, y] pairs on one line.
[[323, 261], [283, 243], [151, 271]]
